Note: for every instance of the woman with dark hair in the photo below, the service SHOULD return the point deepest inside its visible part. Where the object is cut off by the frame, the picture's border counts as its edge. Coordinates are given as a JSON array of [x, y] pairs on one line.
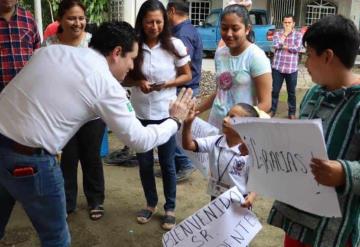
[[86, 143], [243, 72], [161, 66]]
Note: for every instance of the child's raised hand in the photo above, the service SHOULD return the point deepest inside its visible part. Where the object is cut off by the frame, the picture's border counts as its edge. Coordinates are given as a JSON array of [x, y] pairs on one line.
[[328, 172], [249, 200]]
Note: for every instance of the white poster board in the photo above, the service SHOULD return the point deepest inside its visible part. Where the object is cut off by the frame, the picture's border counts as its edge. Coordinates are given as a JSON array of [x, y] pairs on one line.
[[281, 151], [199, 128], [223, 222]]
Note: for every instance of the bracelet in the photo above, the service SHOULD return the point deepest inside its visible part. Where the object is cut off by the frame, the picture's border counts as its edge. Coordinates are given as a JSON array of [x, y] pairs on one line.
[[178, 122]]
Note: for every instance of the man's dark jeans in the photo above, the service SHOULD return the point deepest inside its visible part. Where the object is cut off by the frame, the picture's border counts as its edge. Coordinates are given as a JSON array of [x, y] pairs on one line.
[[291, 81]]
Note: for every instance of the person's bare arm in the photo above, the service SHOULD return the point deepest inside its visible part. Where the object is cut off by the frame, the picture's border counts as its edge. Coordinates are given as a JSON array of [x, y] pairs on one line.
[[206, 104], [263, 86], [187, 140]]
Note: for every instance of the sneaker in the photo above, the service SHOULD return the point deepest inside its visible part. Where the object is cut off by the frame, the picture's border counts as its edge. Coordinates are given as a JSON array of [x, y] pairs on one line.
[[122, 157], [183, 175]]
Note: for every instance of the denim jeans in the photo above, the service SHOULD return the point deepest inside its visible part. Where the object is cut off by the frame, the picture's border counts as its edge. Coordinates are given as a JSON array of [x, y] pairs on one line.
[[41, 195], [85, 146], [182, 162], [291, 81], [166, 154]]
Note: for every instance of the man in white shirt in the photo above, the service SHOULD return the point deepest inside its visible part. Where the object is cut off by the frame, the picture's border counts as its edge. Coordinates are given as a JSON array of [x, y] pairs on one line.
[[59, 90]]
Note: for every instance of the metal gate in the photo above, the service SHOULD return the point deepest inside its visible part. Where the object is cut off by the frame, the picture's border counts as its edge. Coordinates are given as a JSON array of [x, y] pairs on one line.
[[280, 8], [116, 10], [198, 11], [319, 9]]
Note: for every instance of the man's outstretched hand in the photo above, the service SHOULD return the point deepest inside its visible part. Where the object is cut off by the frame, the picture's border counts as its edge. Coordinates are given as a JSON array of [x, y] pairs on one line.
[[180, 108]]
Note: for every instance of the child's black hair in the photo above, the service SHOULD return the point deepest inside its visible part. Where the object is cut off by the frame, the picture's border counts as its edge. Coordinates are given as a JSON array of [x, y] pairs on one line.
[[337, 33], [243, 13], [249, 109]]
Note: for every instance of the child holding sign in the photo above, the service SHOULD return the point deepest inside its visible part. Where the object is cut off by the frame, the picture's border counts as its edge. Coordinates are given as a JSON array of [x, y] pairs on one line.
[[331, 47], [228, 154]]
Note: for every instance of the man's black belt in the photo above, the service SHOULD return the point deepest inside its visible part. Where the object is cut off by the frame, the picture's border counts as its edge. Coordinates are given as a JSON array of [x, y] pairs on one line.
[[20, 148]]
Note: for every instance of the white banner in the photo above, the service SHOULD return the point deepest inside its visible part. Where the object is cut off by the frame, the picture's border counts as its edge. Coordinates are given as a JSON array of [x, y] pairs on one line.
[[281, 151], [223, 222], [199, 128]]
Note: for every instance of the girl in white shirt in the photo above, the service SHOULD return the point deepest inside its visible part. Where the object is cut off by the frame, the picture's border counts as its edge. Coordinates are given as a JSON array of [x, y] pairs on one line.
[[228, 154], [161, 66]]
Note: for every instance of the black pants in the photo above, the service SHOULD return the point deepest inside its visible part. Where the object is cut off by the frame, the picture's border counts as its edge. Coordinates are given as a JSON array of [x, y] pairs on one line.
[[85, 146]]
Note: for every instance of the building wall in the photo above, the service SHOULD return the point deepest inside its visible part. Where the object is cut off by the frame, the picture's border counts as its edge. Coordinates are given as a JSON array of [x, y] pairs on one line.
[[347, 8]]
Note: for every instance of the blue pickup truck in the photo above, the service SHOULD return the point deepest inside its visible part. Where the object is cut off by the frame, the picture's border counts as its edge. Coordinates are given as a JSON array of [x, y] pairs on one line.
[[210, 30]]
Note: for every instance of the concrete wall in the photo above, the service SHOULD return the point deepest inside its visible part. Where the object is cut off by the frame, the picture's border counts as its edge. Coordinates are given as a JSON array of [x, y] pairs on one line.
[[348, 8]]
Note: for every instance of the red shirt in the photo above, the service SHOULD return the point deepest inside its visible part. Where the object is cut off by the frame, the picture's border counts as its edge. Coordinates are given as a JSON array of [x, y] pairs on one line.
[[19, 37], [51, 29]]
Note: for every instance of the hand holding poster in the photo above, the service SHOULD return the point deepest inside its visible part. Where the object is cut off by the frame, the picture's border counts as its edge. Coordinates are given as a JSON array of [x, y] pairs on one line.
[[199, 128], [223, 222], [281, 152]]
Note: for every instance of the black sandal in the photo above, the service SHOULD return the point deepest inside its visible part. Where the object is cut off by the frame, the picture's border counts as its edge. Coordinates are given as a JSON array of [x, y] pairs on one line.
[[96, 212], [168, 222], [144, 216]]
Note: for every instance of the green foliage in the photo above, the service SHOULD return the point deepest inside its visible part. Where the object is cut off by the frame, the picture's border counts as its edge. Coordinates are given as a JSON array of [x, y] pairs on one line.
[[96, 9]]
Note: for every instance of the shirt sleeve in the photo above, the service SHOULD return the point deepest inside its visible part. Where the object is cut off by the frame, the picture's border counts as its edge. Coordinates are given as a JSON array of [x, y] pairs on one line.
[[182, 51], [188, 44], [259, 64], [277, 42], [295, 46], [206, 144], [116, 110]]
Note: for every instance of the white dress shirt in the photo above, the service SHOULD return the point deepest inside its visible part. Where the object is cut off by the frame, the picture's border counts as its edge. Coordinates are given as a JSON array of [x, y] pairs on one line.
[[158, 66], [63, 87]]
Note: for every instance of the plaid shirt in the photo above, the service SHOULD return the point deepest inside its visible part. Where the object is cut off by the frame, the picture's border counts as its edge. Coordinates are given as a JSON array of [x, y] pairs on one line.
[[18, 39], [286, 60]]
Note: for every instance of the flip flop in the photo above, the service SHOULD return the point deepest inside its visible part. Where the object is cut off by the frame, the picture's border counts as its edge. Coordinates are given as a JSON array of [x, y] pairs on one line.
[[168, 222], [96, 213], [144, 216]]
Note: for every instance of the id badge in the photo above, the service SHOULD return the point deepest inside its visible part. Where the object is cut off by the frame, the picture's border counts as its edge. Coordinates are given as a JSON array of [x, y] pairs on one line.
[[216, 188]]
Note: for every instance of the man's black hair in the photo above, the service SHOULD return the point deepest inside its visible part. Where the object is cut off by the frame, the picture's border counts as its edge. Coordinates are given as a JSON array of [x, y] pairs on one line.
[[112, 34], [181, 6], [336, 33], [289, 16]]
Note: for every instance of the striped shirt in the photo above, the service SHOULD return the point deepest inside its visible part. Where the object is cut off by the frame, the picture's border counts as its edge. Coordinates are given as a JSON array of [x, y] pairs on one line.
[[340, 114], [19, 38], [286, 60]]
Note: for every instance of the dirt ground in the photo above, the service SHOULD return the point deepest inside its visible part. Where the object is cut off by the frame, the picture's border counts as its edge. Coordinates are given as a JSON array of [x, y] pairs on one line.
[[124, 197]]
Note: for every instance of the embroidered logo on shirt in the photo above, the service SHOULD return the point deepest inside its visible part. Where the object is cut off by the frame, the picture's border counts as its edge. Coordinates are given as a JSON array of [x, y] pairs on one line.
[[129, 106], [238, 167]]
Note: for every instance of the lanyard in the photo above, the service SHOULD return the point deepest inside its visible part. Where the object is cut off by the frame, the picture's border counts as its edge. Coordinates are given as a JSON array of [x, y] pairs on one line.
[[218, 165]]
